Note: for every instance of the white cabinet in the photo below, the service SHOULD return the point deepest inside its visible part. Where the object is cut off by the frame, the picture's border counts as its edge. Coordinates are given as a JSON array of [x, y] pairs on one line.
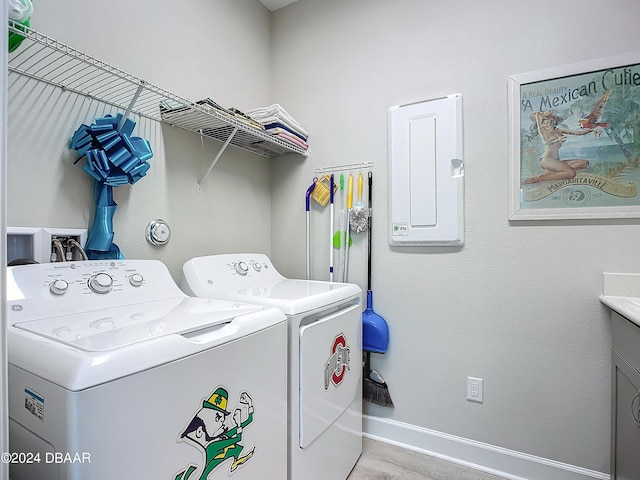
[[625, 405]]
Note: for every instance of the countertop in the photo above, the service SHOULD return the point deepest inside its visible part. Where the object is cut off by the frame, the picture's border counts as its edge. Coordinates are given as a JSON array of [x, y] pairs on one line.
[[622, 294]]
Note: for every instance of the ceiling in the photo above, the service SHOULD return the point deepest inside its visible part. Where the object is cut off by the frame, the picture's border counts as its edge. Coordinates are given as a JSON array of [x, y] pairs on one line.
[[276, 4]]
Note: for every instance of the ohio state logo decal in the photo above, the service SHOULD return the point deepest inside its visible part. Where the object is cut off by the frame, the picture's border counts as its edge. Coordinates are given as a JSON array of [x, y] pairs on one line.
[[338, 363]]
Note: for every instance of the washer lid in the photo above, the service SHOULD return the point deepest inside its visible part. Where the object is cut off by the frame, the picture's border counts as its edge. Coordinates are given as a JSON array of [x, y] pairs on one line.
[[109, 329], [290, 296]]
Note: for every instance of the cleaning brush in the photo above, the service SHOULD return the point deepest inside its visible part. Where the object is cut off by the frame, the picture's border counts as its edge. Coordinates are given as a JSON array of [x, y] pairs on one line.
[[322, 192], [359, 217]]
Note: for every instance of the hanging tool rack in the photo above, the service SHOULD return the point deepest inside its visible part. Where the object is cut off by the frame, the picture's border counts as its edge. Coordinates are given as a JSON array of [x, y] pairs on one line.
[[47, 60], [344, 168]]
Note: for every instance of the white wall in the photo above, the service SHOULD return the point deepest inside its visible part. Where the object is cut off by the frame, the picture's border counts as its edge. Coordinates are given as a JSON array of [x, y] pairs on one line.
[[518, 304], [4, 441], [196, 49]]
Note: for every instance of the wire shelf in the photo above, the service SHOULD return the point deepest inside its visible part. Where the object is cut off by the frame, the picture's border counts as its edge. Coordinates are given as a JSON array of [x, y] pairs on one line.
[[47, 60]]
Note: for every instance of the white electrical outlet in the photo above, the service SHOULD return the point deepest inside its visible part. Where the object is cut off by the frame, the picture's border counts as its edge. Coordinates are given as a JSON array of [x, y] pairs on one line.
[[474, 389]]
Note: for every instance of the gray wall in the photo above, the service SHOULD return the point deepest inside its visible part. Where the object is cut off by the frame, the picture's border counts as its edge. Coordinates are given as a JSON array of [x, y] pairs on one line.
[[518, 305], [194, 48]]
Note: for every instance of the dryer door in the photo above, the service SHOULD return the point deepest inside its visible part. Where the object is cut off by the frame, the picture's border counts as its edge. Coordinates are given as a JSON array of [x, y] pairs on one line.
[[330, 370]]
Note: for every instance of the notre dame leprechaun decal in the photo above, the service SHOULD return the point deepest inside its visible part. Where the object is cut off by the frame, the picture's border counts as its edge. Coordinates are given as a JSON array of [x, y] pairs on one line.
[[218, 433]]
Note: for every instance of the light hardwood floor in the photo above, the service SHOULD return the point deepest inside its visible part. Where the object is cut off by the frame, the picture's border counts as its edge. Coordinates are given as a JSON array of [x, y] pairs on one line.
[[380, 461]]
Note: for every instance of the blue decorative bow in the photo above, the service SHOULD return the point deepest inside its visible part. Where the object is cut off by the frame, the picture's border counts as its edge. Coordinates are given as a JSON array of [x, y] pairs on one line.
[[114, 158]]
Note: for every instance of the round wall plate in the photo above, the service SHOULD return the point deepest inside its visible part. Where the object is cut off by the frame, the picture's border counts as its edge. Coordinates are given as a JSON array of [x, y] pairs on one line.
[[157, 232]]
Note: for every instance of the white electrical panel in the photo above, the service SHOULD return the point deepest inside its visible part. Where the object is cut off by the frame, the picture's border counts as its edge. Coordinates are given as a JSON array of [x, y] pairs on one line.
[[426, 173]]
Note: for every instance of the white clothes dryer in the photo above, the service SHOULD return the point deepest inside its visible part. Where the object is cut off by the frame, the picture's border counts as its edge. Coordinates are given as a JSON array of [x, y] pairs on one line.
[[325, 355], [115, 373]]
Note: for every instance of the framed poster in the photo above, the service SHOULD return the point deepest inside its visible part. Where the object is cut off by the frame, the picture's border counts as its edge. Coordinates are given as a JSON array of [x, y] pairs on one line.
[[575, 141]]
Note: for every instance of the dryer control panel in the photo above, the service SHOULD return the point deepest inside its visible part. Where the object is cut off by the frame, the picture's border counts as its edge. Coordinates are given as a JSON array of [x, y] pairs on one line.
[[227, 267], [251, 266]]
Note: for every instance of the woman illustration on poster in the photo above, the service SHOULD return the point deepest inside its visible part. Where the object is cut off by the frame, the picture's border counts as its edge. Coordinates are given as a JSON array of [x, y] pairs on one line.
[[553, 138]]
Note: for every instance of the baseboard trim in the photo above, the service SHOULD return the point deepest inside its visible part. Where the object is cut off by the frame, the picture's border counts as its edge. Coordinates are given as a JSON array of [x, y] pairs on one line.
[[500, 461]]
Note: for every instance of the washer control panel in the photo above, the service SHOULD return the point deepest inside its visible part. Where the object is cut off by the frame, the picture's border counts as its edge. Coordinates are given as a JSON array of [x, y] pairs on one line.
[[73, 287]]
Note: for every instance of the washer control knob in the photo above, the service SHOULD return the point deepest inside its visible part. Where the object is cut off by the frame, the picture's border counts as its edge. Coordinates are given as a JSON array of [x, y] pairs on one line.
[[101, 283], [241, 268], [136, 279], [257, 267], [59, 287]]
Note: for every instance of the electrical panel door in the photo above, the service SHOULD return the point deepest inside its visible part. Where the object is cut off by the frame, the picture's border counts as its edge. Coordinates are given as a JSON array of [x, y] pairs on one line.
[[426, 173]]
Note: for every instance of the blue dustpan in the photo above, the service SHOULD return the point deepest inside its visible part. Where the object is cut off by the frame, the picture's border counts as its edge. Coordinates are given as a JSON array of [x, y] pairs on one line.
[[375, 331]]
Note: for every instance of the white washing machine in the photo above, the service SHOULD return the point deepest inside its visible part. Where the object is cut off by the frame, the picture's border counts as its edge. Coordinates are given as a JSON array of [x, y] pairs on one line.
[[325, 355], [115, 373]]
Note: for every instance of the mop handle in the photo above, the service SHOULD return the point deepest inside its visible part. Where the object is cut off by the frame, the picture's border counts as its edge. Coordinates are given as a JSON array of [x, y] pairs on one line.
[[331, 184], [341, 268], [308, 206], [347, 222], [369, 235], [309, 191]]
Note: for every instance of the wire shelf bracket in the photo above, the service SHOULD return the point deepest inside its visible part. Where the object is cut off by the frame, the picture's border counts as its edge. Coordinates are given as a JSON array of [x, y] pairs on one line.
[[217, 157]]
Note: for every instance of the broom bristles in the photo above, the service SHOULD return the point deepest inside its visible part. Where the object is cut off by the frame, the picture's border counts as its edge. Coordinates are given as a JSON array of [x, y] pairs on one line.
[[376, 391]]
